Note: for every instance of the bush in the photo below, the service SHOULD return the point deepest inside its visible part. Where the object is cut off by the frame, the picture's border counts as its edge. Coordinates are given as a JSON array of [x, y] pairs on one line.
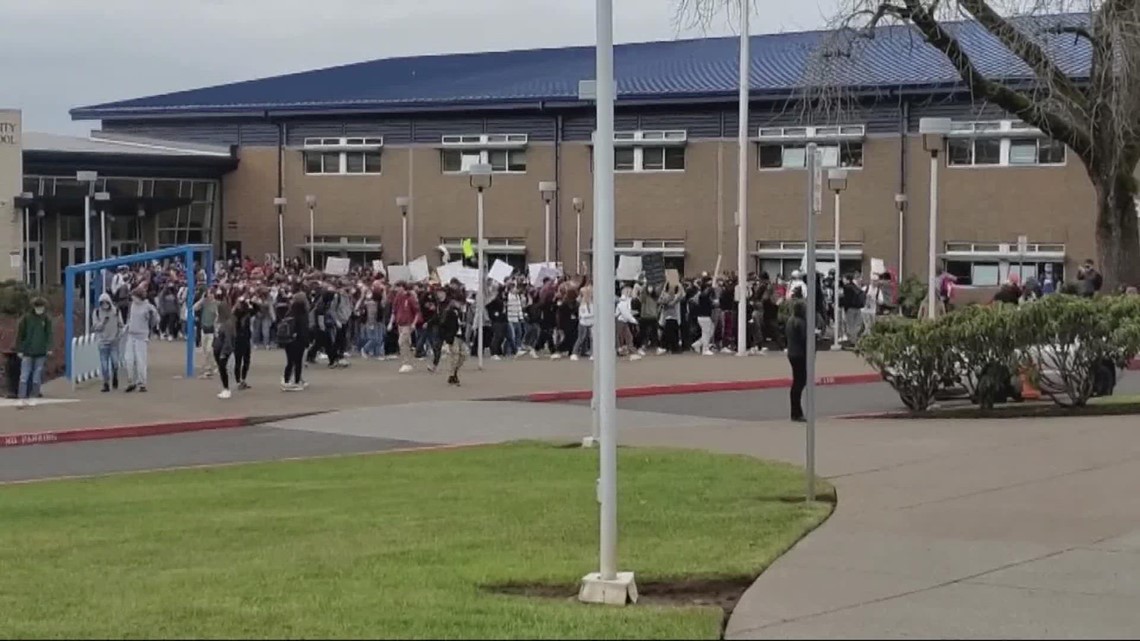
[[911, 356], [912, 293], [1071, 347]]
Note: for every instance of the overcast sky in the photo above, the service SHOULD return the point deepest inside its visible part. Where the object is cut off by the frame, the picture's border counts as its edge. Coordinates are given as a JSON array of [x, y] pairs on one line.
[[59, 54]]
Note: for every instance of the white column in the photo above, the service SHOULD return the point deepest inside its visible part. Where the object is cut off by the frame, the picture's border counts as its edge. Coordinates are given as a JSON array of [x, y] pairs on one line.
[[479, 293], [742, 186], [546, 236], [932, 282], [838, 276]]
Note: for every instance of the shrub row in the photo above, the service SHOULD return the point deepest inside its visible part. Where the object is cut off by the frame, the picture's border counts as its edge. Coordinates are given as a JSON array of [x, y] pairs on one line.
[[1067, 345]]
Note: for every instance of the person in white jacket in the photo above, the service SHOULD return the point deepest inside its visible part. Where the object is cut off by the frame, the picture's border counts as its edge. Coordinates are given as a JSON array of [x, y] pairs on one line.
[[584, 346], [626, 321]]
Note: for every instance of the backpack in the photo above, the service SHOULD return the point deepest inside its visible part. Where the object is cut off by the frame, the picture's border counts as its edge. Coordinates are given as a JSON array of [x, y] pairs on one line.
[[286, 331], [860, 298]]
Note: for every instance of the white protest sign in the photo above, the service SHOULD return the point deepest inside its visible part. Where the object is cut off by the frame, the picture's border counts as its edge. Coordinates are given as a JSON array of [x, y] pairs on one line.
[[378, 267], [399, 274], [449, 271], [336, 266], [469, 276], [500, 271], [419, 269], [539, 271], [629, 267], [878, 267]]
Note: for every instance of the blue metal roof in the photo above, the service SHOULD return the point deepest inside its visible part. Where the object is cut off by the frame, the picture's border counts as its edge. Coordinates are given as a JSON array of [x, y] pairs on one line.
[[676, 69]]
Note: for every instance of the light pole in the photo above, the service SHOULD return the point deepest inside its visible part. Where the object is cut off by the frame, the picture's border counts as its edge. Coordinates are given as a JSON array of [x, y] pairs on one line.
[[311, 201], [742, 184], [900, 205], [836, 182], [607, 585], [578, 206], [88, 177], [934, 132], [402, 202], [26, 238], [480, 178], [814, 207], [279, 202], [102, 198], [548, 189]]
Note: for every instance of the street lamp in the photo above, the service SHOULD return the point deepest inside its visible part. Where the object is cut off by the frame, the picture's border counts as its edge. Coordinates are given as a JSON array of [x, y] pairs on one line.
[[578, 206], [548, 189], [89, 177], [836, 182], [934, 132], [480, 177], [900, 205], [26, 199], [279, 202], [102, 198], [311, 201], [402, 202]]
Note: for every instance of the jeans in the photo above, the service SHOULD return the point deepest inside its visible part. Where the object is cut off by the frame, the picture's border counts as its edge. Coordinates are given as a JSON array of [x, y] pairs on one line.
[[261, 328], [223, 368], [406, 344], [584, 345], [373, 343], [516, 332], [109, 362], [31, 375], [704, 344]]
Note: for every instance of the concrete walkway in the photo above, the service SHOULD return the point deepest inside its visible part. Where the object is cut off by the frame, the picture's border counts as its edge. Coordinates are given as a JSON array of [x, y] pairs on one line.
[[980, 529]]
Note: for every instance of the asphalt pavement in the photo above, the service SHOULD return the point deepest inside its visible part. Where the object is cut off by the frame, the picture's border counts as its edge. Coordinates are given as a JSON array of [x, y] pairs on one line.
[[210, 447]]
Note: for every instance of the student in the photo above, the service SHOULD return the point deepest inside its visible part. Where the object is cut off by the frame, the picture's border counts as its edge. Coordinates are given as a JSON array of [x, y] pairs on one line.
[[142, 319], [244, 317], [33, 346], [405, 310], [293, 336], [108, 325], [451, 332], [223, 345], [797, 333]]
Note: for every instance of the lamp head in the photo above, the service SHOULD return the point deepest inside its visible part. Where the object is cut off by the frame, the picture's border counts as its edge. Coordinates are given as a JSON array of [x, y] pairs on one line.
[[403, 202], [280, 201], [934, 132], [311, 200], [836, 179], [480, 176], [548, 189], [900, 201], [578, 204]]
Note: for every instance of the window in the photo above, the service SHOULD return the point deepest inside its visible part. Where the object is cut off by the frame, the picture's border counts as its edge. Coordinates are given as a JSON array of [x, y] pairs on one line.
[[340, 156], [1003, 143], [625, 159], [786, 147], [649, 159], [506, 153]]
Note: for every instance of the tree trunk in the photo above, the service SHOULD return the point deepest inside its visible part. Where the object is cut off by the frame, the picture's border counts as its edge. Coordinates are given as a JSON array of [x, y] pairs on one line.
[[1117, 231]]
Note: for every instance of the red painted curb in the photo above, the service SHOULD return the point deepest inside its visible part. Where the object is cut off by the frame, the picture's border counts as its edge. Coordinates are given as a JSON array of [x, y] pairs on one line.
[[703, 388], [125, 431], [1134, 364]]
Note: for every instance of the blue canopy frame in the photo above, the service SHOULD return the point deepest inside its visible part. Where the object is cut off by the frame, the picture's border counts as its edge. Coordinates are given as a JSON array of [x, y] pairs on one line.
[[186, 252]]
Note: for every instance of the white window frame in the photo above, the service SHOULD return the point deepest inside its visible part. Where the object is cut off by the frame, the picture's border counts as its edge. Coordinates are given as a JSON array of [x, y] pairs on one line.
[[828, 138], [476, 149], [1004, 131], [640, 140], [343, 145]]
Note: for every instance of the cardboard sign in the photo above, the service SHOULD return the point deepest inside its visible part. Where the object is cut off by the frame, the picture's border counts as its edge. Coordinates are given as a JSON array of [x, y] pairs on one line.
[[500, 272], [336, 266], [449, 271], [878, 267], [419, 269], [469, 276], [673, 277], [654, 267], [378, 267], [399, 274], [537, 272], [629, 268]]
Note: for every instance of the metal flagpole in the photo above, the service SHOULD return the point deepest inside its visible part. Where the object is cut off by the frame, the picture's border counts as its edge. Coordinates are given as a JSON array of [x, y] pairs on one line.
[[742, 187]]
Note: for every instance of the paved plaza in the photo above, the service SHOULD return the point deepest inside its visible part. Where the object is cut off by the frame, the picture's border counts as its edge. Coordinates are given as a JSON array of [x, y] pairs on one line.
[[973, 529]]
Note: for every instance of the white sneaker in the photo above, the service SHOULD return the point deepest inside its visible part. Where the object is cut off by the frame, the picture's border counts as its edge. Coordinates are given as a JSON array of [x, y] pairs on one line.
[[591, 357], [635, 357], [641, 352], [534, 354], [661, 350], [727, 350], [764, 350], [496, 358], [708, 352], [22, 403], [555, 356], [573, 357], [224, 394], [404, 369]]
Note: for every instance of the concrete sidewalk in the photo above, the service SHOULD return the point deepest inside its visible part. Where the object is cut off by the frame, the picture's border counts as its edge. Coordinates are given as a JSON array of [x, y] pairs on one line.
[[370, 384], [951, 529]]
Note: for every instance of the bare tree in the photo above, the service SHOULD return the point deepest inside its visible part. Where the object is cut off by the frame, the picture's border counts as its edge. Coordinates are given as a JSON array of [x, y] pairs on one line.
[[1092, 108]]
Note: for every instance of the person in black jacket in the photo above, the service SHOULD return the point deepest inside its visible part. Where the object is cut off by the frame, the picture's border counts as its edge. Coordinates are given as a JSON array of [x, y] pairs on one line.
[[295, 322], [244, 312], [497, 315], [796, 330], [451, 331]]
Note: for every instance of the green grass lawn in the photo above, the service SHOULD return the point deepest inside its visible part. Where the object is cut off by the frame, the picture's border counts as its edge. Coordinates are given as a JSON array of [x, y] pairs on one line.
[[398, 545]]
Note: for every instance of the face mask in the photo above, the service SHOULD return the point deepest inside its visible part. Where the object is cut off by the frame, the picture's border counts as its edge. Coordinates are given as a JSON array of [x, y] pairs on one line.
[[39, 310]]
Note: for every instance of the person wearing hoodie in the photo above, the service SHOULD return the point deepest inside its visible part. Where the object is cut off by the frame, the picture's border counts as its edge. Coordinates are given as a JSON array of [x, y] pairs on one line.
[[207, 310], [293, 334], [108, 325], [340, 314], [626, 321], [451, 334], [797, 333], [142, 319], [243, 314], [584, 345], [650, 318], [567, 318], [703, 304], [33, 346], [170, 323], [405, 310], [223, 345], [669, 308]]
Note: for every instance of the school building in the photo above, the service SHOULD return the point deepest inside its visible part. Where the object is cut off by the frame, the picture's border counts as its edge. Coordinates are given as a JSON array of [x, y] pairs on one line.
[[341, 161]]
